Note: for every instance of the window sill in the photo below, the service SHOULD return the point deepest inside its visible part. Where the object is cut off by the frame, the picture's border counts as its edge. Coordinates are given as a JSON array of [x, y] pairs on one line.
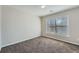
[[63, 35]]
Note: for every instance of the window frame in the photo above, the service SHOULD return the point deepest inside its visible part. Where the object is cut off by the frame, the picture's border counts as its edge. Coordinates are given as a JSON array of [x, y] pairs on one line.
[[68, 25]]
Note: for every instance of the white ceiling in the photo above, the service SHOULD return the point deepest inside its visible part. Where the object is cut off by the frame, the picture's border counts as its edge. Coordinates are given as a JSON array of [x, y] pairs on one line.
[[37, 10]]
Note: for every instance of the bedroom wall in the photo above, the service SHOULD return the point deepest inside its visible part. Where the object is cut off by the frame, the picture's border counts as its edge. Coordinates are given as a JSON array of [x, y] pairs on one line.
[[73, 26], [0, 27], [18, 26]]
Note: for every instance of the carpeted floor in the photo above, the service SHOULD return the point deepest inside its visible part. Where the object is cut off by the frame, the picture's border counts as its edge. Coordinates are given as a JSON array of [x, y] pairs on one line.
[[41, 45]]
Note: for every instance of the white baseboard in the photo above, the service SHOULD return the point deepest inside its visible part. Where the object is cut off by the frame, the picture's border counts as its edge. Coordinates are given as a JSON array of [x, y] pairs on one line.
[[18, 41], [75, 43]]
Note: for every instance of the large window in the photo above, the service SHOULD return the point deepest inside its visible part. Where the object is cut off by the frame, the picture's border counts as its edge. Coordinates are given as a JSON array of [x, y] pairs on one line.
[[58, 25]]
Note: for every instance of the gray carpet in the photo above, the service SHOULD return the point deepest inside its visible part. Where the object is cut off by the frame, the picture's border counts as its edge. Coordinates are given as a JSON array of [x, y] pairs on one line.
[[41, 45]]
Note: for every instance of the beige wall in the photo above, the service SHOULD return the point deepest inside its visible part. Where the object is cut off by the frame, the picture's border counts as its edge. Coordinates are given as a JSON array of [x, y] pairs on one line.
[[0, 27], [73, 26], [18, 26]]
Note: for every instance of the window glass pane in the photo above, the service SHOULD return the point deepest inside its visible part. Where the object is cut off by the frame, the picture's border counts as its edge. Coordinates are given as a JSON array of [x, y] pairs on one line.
[[52, 22], [61, 21], [61, 30], [51, 25], [61, 25], [52, 29]]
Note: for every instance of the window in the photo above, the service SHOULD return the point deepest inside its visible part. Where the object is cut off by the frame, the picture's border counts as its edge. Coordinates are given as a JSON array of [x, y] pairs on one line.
[[58, 25]]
